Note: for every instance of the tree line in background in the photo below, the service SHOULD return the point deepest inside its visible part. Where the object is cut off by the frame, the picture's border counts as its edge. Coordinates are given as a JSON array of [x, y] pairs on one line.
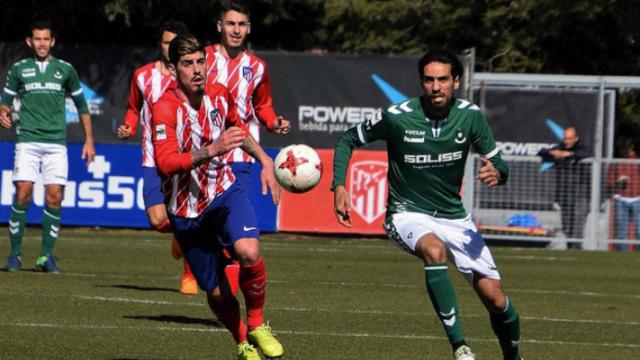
[[590, 37]]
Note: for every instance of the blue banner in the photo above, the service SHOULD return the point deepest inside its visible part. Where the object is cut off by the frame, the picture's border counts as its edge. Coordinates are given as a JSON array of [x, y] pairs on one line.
[[108, 193]]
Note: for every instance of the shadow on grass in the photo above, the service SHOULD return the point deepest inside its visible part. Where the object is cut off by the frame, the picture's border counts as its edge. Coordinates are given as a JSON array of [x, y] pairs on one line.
[[23, 270], [137, 287], [178, 319]]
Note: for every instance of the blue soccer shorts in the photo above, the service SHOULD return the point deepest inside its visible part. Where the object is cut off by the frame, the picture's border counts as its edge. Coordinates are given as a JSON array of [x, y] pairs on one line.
[[242, 173], [229, 218], [151, 191]]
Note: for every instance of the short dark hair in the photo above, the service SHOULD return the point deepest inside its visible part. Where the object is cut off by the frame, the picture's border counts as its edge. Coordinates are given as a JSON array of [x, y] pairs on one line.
[[441, 56], [235, 5], [183, 45], [174, 26], [40, 24]]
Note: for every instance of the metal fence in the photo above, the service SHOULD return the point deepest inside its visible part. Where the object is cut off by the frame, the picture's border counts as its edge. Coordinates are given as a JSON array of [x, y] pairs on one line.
[[593, 204]]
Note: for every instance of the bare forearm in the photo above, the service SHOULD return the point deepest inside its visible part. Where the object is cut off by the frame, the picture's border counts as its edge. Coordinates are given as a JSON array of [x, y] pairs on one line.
[[200, 156], [251, 147], [85, 119]]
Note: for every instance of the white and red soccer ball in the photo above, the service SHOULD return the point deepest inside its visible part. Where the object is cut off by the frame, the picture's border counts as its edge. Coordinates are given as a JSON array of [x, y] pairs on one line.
[[298, 168]]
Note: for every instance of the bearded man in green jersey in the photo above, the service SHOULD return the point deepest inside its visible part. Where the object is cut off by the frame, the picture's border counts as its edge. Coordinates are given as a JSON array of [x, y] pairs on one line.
[[41, 83], [428, 140]]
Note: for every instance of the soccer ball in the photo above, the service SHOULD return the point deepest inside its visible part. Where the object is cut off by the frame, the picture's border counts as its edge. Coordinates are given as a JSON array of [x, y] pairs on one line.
[[298, 168]]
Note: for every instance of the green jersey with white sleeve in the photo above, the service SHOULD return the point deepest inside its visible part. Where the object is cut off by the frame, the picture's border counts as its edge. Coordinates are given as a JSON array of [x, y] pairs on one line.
[[426, 156], [41, 87]]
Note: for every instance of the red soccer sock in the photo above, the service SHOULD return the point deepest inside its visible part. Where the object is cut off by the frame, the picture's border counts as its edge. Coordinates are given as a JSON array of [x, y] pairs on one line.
[[233, 276], [228, 314], [253, 281]]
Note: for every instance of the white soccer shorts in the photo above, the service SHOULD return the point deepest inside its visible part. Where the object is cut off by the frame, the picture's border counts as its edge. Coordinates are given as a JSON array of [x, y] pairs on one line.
[[34, 158], [465, 246]]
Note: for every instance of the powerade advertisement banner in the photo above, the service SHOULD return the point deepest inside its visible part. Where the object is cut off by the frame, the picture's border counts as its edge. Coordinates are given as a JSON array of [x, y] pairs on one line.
[[325, 95], [108, 192]]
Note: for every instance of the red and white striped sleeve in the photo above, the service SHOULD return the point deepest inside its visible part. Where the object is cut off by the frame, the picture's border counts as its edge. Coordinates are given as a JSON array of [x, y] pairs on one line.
[[263, 102], [169, 159], [134, 104]]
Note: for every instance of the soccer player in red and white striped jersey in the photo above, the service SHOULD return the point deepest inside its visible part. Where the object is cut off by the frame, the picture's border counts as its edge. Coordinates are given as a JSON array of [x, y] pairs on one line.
[[245, 75], [148, 83], [194, 126], [247, 78]]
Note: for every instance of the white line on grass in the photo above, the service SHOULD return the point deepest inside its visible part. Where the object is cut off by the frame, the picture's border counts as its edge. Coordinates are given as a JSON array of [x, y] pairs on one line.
[[314, 333], [330, 247], [532, 291], [360, 284], [352, 311]]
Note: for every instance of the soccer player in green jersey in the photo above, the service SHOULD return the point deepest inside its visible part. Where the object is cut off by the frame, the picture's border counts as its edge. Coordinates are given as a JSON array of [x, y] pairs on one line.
[[41, 83], [428, 140]]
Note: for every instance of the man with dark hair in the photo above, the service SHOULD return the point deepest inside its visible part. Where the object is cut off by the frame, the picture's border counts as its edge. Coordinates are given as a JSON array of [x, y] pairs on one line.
[[194, 126], [428, 140], [148, 83], [41, 83], [247, 78], [573, 182]]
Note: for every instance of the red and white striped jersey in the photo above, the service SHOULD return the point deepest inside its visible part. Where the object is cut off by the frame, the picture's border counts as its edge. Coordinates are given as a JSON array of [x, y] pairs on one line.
[[147, 85], [247, 79], [179, 129]]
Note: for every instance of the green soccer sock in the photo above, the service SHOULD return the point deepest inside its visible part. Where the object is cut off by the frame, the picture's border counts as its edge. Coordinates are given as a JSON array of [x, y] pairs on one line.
[[50, 229], [506, 325], [17, 221], [444, 300]]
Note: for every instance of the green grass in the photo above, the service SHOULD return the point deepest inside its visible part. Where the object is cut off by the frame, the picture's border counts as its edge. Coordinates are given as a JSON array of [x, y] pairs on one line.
[[116, 298]]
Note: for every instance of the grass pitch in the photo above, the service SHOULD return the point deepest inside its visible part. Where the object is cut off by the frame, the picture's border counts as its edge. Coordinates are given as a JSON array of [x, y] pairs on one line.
[[328, 298]]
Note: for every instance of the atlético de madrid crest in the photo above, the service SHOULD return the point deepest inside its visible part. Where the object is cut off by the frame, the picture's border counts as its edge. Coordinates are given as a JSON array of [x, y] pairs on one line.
[[368, 189], [213, 115], [247, 73]]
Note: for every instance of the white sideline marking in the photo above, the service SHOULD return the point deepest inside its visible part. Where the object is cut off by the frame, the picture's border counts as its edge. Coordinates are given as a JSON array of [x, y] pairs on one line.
[[353, 311], [363, 284], [534, 291], [312, 333]]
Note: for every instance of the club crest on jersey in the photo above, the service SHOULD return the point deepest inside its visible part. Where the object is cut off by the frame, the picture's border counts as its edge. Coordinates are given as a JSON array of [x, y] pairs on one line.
[[460, 138], [368, 189], [213, 115], [58, 75], [247, 73]]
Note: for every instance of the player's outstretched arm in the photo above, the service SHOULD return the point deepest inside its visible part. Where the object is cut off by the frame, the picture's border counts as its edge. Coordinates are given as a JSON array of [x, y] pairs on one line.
[[5, 116], [342, 205], [267, 177], [88, 149]]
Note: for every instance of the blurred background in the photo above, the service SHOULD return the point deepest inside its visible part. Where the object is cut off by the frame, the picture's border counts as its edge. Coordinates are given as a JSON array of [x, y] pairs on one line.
[[534, 67]]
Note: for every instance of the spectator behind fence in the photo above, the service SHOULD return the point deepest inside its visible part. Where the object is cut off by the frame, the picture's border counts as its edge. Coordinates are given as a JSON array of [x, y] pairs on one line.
[[573, 182], [623, 180]]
